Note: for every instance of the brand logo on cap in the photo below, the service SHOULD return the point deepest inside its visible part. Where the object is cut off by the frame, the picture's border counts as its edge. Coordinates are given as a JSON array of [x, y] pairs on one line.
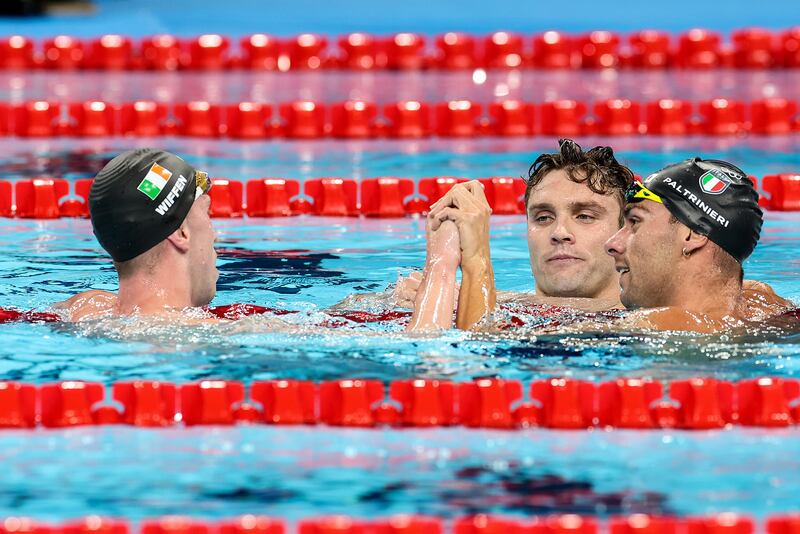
[[714, 183], [155, 180]]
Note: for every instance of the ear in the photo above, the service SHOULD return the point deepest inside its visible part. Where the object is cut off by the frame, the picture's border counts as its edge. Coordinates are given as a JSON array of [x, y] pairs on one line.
[[694, 242], [180, 238]]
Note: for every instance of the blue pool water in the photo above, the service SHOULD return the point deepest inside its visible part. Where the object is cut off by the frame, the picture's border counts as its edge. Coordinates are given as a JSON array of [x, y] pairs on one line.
[[310, 263]]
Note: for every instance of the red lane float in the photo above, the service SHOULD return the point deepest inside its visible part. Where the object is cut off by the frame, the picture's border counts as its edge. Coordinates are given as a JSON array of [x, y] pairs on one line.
[[359, 52], [503, 50], [271, 197], [208, 52], [723, 523], [456, 51], [307, 52], [332, 196], [553, 50], [668, 117], [248, 120], [360, 119], [696, 49], [409, 119], [226, 198], [557, 403], [512, 118], [63, 53], [386, 197], [503, 193], [783, 190], [16, 52], [143, 118], [161, 52], [650, 49], [259, 52], [599, 50], [110, 52], [46, 198], [353, 120]]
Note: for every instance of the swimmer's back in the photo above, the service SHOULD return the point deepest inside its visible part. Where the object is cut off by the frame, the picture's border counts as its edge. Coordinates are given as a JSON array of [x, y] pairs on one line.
[[92, 304]]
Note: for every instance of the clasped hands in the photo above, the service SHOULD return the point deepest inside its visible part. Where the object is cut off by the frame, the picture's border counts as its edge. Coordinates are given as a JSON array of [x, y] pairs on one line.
[[457, 233]]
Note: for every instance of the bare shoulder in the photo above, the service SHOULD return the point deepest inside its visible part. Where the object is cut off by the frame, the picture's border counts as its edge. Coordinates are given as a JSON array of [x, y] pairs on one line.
[[672, 318], [759, 300], [88, 304]]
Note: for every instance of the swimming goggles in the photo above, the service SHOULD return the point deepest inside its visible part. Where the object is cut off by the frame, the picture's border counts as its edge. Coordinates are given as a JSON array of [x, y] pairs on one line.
[[637, 192], [202, 182]]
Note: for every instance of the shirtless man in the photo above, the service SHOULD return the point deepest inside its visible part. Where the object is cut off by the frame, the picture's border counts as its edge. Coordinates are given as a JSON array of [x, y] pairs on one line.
[[574, 204], [688, 229], [149, 211], [652, 276]]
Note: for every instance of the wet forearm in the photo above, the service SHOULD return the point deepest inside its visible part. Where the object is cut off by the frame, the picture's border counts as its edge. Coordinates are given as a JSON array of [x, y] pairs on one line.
[[433, 307], [478, 295]]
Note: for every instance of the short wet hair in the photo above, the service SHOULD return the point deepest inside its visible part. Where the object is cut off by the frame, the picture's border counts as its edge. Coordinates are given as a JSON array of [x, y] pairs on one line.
[[597, 168]]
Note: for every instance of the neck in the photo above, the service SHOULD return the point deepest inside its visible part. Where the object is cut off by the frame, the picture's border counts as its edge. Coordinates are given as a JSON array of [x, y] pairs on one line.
[[607, 297], [710, 294], [148, 295]]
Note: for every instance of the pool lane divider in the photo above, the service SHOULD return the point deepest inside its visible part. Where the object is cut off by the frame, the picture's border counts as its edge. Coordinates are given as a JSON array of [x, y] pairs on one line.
[[722, 523], [386, 197], [359, 119], [747, 48], [557, 403]]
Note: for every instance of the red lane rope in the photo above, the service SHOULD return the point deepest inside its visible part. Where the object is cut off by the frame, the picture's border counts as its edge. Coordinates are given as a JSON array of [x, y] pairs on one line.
[[749, 48], [401, 120], [388, 197], [557, 403], [722, 523]]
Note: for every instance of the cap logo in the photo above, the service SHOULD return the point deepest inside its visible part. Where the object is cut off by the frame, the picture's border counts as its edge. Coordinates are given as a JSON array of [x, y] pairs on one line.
[[714, 183], [155, 180]]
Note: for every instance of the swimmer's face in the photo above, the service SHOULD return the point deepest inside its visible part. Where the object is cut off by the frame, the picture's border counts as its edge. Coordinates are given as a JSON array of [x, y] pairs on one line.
[[568, 226], [646, 251], [202, 256]]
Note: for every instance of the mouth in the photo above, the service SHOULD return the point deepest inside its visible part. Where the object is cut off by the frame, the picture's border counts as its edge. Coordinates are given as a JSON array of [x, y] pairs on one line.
[[563, 259], [622, 269]]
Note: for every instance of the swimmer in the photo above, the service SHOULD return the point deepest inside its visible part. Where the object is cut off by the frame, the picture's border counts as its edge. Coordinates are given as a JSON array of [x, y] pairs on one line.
[[574, 203], [688, 229], [560, 227], [149, 211]]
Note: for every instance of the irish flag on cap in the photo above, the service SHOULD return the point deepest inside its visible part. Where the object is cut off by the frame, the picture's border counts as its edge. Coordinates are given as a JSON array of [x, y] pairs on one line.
[[713, 184], [152, 184]]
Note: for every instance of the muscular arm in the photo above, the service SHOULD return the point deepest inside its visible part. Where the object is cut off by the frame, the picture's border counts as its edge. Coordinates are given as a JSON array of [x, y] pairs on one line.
[[478, 295], [435, 298], [467, 207]]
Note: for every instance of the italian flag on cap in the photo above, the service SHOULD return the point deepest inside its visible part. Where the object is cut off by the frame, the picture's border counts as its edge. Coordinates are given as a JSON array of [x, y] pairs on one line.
[[152, 184], [712, 184]]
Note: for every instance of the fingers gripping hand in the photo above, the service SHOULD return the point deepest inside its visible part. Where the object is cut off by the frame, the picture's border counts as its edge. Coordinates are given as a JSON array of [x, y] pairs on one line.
[[405, 291], [465, 205]]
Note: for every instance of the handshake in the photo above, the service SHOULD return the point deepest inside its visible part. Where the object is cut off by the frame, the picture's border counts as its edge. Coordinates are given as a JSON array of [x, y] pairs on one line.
[[457, 233]]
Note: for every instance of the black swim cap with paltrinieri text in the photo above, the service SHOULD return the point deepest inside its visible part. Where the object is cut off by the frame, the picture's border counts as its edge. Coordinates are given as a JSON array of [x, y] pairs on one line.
[[138, 199], [715, 199]]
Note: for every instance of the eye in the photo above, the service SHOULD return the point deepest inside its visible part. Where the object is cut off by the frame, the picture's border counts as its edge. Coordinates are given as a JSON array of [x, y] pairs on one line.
[[543, 219], [633, 220], [586, 217]]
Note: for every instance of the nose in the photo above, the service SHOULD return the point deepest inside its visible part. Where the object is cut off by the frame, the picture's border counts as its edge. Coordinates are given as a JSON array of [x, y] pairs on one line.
[[615, 246], [560, 233]]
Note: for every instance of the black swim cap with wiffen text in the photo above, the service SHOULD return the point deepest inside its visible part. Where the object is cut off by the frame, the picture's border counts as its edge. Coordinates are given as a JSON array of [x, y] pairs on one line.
[[138, 199], [714, 198]]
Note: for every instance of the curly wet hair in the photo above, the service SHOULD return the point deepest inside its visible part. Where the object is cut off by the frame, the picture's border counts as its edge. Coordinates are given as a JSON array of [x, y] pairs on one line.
[[597, 168]]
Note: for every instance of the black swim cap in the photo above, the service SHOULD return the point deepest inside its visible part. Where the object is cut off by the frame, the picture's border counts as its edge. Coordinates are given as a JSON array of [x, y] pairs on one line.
[[138, 199], [714, 198]]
